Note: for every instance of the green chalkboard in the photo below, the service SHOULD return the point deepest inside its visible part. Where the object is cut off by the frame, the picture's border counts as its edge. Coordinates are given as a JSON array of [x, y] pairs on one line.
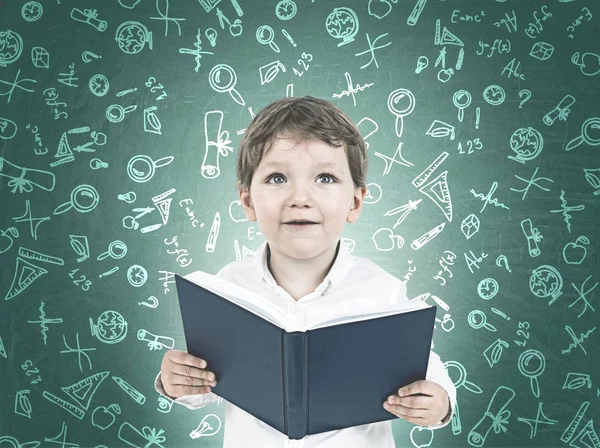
[[119, 126]]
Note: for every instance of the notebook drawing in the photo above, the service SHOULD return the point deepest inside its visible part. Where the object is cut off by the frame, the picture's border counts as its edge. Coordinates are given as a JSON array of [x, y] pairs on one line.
[[334, 375]]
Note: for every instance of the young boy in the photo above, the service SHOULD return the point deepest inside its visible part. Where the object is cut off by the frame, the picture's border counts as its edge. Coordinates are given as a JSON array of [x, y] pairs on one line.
[[304, 160]]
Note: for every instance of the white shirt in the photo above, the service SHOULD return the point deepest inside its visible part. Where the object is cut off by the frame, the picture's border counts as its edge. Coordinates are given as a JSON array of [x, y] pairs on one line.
[[352, 284]]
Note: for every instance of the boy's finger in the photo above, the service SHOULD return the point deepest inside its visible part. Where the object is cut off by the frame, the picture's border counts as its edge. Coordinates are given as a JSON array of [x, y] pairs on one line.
[[404, 412], [179, 391], [186, 370], [421, 387], [410, 401], [182, 380], [191, 360]]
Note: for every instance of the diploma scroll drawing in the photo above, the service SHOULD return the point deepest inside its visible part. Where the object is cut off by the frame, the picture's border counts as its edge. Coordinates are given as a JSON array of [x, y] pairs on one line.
[[495, 416], [147, 438], [25, 178]]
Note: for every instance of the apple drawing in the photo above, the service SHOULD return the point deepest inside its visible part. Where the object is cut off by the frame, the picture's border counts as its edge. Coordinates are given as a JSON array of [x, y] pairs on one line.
[[589, 64], [6, 241], [379, 8], [103, 417], [422, 438], [574, 253]]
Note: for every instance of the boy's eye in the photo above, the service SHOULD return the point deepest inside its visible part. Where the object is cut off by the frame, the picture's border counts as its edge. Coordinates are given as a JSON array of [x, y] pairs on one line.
[[276, 175]]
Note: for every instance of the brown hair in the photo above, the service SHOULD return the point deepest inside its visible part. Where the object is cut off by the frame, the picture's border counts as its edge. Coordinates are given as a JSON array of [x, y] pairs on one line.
[[304, 118]]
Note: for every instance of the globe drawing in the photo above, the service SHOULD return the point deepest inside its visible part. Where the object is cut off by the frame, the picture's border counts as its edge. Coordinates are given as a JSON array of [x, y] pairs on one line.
[[132, 36], [546, 281], [342, 23], [111, 327], [11, 47], [527, 143]]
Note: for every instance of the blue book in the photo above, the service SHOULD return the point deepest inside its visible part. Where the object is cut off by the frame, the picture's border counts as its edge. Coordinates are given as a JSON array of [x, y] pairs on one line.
[[334, 375]]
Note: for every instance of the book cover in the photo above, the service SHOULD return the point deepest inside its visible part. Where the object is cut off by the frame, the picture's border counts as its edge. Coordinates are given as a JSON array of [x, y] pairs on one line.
[[334, 375]]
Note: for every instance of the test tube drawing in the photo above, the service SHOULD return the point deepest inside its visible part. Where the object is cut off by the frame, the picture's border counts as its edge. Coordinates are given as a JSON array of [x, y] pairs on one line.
[[214, 233], [426, 237], [413, 18]]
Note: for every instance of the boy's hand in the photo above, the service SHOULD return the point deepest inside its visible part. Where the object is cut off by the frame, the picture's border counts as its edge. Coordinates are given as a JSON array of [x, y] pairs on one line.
[[185, 374], [424, 403]]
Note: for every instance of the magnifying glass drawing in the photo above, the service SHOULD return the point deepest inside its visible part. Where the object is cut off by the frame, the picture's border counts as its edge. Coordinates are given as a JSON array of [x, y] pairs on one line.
[[217, 79], [589, 126], [265, 35]]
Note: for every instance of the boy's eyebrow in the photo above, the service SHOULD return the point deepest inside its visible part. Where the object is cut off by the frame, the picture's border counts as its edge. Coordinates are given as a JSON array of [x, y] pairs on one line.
[[279, 164]]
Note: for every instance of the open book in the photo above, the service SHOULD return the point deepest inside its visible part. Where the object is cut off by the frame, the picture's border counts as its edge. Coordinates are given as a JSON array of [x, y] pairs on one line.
[[302, 382]]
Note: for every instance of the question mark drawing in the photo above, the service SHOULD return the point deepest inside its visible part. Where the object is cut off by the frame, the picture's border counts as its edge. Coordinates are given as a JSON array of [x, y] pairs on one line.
[[526, 93], [87, 56], [500, 259], [154, 303]]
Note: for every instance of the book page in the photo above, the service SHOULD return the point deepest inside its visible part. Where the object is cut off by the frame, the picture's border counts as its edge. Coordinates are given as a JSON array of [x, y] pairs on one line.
[[388, 311], [263, 308], [240, 296]]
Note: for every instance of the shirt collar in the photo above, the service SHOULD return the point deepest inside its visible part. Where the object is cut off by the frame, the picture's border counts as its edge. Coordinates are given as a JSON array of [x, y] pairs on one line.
[[340, 268]]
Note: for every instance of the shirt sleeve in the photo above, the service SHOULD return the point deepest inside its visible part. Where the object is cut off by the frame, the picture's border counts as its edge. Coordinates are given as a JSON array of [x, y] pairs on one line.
[[189, 401], [437, 372]]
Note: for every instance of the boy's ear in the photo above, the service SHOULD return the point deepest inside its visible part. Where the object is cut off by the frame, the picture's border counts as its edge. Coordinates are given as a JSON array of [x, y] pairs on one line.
[[356, 206], [246, 203]]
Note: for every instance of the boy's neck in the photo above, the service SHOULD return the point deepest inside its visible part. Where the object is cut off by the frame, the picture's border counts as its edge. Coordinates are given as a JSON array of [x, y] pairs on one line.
[[301, 277]]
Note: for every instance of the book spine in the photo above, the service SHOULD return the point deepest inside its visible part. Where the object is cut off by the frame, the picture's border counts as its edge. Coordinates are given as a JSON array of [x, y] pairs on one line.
[[295, 383]]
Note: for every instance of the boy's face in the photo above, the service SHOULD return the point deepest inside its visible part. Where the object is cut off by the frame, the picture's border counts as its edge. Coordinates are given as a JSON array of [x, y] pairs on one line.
[[297, 188]]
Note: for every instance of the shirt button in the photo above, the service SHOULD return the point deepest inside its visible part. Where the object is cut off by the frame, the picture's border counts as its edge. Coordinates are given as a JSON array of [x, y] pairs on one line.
[[293, 443]]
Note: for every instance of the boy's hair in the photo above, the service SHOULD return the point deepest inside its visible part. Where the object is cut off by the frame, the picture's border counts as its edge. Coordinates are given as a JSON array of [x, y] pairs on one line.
[[303, 118]]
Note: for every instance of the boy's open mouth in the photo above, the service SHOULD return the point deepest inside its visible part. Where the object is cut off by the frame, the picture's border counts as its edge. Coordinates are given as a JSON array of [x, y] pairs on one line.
[[300, 222]]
